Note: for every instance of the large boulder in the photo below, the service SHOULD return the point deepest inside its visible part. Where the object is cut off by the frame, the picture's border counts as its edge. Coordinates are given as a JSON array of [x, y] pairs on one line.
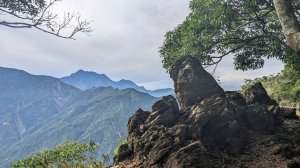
[[196, 136], [136, 121], [236, 98], [257, 94], [289, 112], [217, 124], [211, 129], [164, 112], [192, 83]]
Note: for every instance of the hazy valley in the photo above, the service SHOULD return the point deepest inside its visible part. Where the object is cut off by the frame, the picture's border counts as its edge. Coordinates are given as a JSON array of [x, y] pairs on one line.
[[40, 112]]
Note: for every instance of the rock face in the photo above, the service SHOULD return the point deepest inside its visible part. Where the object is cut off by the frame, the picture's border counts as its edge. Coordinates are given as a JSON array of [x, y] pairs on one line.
[[212, 129], [258, 94], [192, 82], [289, 112]]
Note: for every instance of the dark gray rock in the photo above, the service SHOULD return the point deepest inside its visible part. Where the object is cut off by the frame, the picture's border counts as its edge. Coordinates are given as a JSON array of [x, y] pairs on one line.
[[289, 112], [215, 123], [123, 153], [258, 94], [193, 155], [192, 83], [209, 127], [137, 120], [236, 98], [164, 112], [258, 118]]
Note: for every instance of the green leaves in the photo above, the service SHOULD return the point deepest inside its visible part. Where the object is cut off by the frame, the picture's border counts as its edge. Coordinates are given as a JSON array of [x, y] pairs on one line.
[[69, 155], [24, 6], [283, 87], [247, 29]]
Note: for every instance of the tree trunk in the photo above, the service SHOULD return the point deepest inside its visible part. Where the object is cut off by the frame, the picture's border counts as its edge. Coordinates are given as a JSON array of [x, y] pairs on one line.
[[289, 22]]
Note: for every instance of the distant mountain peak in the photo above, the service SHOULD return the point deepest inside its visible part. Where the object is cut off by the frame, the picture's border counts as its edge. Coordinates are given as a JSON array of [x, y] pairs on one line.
[[125, 80], [83, 72], [88, 79]]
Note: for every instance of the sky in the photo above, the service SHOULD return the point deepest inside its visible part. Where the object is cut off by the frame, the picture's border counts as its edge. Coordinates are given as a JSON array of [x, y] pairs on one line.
[[124, 44]]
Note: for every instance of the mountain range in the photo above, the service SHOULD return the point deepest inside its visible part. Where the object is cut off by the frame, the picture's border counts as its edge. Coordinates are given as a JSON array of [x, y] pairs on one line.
[[28, 100], [39, 112], [87, 80]]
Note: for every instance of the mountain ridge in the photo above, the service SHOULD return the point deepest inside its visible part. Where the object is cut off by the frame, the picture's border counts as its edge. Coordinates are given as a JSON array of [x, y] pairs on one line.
[[88, 79], [38, 112], [26, 101], [99, 113]]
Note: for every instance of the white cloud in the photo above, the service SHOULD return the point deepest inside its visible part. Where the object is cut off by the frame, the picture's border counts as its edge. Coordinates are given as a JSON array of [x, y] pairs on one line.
[[124, 44]]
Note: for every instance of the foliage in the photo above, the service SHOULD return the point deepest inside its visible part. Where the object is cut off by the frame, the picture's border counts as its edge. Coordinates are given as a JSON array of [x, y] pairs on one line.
[[68, 155], [38, 14], [121, 142], [28, 7], [97, 114], [284, 87], [249, 30]]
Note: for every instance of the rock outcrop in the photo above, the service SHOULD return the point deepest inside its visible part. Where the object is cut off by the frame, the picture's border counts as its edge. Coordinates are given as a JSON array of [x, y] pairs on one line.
[[211, 129], [192, 83], [258, 94]]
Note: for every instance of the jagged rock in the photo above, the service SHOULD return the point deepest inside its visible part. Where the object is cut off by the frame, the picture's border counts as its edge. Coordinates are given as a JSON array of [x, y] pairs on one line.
[[192, 155], [212, 129], [213, 126], [258, 118], [294, 164], [137, 120], [289, 112], [217, 126], [236, 98], [258, 94], [123, 153], [276, 110], [164, 112], [192, 83]]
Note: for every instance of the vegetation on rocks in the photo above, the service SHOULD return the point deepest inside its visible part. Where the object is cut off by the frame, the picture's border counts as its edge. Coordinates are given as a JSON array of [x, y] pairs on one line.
[[284, 87], [211, 129]]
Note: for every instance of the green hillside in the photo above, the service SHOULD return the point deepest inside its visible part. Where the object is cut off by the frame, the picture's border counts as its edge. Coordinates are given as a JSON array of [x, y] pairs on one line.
[[98, 114], [284, 87], [26, 101]]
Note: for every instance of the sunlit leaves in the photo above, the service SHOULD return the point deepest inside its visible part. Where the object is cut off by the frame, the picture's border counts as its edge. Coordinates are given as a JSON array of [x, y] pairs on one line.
[[249, 30], [69, 155]]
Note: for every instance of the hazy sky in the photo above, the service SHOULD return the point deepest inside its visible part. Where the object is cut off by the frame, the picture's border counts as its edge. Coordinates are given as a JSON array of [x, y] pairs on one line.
[[124, 45]]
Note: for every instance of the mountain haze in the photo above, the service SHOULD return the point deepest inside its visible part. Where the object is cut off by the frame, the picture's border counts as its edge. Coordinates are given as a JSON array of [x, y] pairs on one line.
[[87, 79], [99, 114], [26, 101], [39, 112]]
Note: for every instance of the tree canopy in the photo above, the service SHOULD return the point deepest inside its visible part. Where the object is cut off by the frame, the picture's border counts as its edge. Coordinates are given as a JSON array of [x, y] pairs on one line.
[[249, 30], [38, 14]]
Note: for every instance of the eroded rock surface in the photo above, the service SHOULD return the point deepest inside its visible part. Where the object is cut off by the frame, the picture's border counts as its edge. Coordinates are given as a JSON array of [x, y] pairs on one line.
[[258, 94], [192, 83], [211, 129]]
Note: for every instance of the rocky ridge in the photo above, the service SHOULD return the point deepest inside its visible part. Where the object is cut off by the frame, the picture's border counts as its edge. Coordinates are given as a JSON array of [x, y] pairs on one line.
[[212, 128]]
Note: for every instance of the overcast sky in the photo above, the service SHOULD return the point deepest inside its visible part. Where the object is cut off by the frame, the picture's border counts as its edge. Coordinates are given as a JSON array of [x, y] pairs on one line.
[[124, 44]]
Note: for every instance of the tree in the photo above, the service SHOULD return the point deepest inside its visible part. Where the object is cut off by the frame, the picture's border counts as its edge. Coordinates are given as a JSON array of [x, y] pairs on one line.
[[69, 155], [284, 87], [287, 16], [38, 14], [249, 30]]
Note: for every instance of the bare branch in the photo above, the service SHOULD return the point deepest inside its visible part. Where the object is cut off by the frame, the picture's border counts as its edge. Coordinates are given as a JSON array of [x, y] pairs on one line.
[[48, 22]]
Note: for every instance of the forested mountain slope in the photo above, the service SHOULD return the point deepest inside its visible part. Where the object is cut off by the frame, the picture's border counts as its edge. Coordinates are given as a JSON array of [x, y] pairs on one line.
[[27, 101], [99, 114]]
